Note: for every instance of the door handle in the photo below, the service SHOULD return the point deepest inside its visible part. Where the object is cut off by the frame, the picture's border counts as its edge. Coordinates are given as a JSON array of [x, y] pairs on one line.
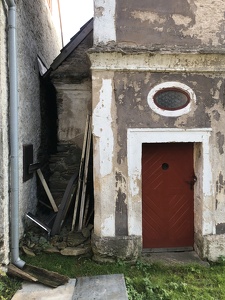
[[192, 182]]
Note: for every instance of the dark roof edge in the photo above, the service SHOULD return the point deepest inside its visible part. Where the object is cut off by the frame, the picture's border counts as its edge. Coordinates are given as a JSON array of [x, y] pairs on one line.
[[71, 46]]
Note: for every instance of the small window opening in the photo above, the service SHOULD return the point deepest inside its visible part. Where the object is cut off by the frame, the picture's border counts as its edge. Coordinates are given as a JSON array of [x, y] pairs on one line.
[[171, 99]]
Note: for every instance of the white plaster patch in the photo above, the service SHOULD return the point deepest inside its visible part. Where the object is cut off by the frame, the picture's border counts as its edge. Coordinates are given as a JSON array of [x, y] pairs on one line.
[[209, 19], [102, 127], [104, 22], [181, 19], [147, 16], [135, 138], [108, 225]]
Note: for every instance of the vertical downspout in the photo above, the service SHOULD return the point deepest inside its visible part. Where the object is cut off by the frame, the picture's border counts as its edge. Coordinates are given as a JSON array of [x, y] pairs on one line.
[[14, 145]]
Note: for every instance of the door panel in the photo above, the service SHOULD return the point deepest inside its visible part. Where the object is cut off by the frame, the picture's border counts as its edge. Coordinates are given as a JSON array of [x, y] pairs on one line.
[[167, 195]]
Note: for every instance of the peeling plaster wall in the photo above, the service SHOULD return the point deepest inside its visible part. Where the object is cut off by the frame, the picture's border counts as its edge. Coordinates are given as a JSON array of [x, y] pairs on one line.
[[131, 110], [159, 42], [73, 103], [36, 35], [170, 24]]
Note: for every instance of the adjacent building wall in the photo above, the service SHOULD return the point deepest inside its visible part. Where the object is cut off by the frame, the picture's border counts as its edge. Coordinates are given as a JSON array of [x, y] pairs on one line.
[[72, 81], [36, 35], [4, 150]]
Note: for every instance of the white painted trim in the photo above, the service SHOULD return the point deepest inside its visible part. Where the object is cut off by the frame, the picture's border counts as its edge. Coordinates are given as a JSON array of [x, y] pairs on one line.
[[160, 62], [104, 21], [171, 113], [135, 138]]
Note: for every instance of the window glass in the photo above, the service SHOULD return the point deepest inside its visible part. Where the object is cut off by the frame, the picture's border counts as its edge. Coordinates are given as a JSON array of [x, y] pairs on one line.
[[171, 99]]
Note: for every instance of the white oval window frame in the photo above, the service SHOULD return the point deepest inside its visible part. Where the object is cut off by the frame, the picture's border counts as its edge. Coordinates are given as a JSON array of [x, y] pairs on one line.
[[170, 85]]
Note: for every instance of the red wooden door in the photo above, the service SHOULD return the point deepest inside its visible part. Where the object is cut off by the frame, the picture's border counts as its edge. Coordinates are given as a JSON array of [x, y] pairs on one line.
[[167, 195]]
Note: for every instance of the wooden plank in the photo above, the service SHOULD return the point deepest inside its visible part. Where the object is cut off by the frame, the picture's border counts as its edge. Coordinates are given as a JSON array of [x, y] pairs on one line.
[[54, 206], [81, 169], [86, 210], [88, 219], [16, 272], [46, 277], [63, 208], [84, 186], [36, 274]]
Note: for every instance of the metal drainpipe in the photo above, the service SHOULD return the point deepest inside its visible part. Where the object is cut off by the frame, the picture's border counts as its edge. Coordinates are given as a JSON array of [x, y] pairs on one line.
[[13, 123]]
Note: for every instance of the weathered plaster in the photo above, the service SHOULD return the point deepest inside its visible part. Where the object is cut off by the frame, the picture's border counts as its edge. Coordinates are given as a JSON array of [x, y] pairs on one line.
[[103, 159], [170, 24], [205, 28], [156, 43], [220, 142], [102, 127], [73, 105], [121, 226], [104, 21], [149, 16], [159, 62]]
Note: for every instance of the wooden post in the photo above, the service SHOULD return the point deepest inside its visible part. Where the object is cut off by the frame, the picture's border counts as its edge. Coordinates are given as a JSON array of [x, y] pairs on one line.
[[84, 186], [81, 170], [54, 206]]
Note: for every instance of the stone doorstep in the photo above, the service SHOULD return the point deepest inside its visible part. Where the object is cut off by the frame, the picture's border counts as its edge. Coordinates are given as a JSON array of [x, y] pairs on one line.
[[110, 287]]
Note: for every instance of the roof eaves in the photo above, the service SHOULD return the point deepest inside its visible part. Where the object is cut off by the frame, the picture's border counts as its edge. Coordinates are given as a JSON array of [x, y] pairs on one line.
[[71, 46]]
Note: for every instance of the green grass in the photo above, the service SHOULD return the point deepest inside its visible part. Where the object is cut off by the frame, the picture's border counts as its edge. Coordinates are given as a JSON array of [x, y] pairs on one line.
[[8, 286], [146, 281]]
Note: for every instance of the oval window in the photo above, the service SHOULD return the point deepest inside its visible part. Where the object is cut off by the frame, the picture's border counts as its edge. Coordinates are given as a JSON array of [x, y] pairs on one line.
[[171, 99]]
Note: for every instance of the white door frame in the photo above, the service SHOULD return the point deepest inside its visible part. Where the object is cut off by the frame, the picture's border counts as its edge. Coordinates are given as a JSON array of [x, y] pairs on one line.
[[202, 167]]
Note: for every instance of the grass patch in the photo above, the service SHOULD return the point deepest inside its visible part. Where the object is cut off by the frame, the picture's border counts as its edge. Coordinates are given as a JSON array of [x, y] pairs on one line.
[[8, 286], [146, 281]]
